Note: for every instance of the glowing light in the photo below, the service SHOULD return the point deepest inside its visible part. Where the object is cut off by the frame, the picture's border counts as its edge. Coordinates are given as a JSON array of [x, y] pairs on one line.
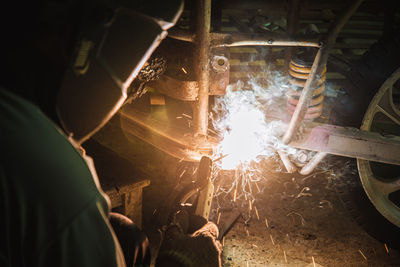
[[247, 136], [241, 142]]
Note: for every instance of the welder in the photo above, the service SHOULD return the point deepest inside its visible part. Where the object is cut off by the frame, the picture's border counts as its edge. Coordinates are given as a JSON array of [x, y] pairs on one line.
[[67, 65]]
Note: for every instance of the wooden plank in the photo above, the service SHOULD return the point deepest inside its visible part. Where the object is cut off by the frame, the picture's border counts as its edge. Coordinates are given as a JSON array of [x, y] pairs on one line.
[[353, 45], [355, 25], [335, 76], [370, 6]]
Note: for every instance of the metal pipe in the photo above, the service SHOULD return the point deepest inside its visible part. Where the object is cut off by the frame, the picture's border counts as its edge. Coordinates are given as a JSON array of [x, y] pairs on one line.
[[267, 39], [271, 43], [313, 163], [182, 35], [200, 113], [290, 167], [316, 70], [305, 97]]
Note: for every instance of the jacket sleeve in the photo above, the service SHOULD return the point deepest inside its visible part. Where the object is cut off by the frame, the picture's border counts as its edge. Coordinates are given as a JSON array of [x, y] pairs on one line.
[[88, 240]]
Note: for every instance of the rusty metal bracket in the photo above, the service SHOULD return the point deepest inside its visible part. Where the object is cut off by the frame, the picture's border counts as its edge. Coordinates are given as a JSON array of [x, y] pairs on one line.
[[332, 139], [178, 89], [173, 140], [188, 90]]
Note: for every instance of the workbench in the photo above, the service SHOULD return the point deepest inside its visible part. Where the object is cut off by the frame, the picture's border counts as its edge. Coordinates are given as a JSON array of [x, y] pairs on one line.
[[118, 180]]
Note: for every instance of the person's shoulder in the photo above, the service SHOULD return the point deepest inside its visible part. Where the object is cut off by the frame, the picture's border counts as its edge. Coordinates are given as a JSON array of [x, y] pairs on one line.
[[44, 166]]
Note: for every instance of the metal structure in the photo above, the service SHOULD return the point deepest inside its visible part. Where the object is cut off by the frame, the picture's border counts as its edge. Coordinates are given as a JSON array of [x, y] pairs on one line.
[[380, 180], [211, 71], [322, 138], [299, 73]]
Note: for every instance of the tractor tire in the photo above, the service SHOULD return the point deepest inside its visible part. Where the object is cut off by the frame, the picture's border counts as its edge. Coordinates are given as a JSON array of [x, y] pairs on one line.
[[363, 81]]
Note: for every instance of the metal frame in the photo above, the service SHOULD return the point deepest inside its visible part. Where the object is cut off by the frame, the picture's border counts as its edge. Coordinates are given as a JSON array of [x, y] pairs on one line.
[[191, 148], [203, 26], [204, 40]]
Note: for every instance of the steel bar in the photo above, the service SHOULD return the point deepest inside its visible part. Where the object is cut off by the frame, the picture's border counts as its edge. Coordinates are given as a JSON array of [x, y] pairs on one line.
[[183, 35], [316, 70], [200, 113], [305, 96], [271, 43], [247, 39], [349, 142], [301, 107], [312, 164], [243, 28], [264, 39], [289, 166]]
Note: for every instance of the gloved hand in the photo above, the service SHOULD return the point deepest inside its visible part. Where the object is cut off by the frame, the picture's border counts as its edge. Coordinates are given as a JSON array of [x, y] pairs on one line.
[[184, 248], [133, 241]]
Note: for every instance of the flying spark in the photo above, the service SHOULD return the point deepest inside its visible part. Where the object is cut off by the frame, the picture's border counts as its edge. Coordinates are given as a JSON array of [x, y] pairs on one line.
[[241, 120], [248, 120]]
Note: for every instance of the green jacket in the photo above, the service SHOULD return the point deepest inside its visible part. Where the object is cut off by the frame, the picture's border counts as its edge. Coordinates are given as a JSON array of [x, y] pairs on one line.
[[52, 211]]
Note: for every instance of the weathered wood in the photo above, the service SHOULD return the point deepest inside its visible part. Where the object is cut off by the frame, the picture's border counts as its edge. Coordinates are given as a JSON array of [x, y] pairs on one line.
[[277, 5], [293, 16], [118, 181]]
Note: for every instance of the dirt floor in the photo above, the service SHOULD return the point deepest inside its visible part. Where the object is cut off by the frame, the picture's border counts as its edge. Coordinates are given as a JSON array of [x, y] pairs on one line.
[[294, 220], [301, 220]]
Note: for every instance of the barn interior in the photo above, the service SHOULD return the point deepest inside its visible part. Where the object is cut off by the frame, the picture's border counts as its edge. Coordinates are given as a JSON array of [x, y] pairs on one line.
[[267, 213]]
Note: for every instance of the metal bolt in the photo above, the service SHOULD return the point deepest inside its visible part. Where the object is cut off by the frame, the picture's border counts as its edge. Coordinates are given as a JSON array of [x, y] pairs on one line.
[[220, 63], [302, 157]]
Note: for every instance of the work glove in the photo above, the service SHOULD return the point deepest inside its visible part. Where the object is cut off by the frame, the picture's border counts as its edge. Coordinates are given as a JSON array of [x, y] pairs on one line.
[[134, 243], [190, 241]]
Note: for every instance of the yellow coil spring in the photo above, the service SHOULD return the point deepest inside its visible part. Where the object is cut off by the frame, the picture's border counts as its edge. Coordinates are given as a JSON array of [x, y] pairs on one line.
[[299, 74]]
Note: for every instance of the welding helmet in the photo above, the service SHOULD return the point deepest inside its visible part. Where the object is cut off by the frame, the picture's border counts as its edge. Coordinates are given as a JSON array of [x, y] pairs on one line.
[[114, 44]]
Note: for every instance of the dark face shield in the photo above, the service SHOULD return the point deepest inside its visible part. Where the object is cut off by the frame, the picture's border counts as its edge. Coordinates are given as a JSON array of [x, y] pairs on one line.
[[95, 87]]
